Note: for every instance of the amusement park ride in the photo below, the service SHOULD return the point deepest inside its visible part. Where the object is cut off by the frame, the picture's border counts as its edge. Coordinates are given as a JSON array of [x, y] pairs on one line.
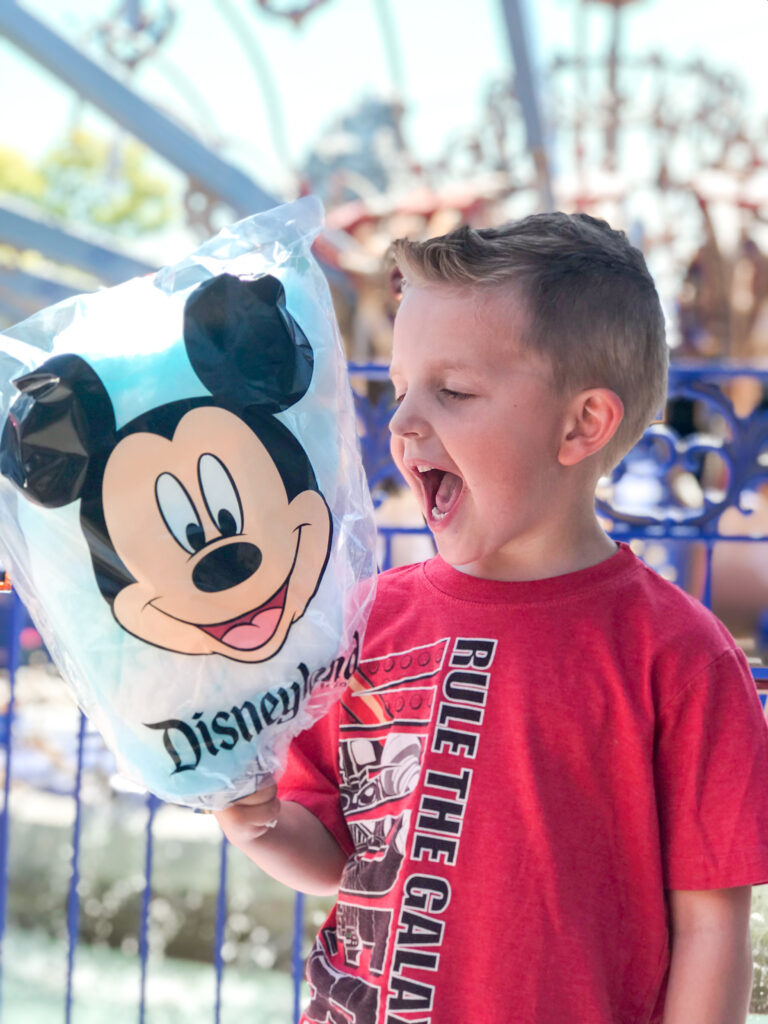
[[658, 145], [133, 34]]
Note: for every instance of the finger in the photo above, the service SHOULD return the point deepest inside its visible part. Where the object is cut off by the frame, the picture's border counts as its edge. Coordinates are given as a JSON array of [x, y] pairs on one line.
[[254, 815], [242, 828], [261, 796]]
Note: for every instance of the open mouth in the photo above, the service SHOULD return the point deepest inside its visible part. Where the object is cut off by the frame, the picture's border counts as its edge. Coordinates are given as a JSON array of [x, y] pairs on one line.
[[255, 628], [442, 491]]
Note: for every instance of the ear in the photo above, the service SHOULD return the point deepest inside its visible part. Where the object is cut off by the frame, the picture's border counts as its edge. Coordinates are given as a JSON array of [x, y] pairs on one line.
[[593, 418], [61, 422], [244, 345]]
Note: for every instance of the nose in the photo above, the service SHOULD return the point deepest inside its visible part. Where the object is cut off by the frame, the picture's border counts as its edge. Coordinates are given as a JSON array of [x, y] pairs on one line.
[[226, 566], [407, 421]]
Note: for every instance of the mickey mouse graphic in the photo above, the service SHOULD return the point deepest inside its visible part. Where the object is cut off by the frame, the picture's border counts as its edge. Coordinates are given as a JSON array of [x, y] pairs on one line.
[[205, 525]]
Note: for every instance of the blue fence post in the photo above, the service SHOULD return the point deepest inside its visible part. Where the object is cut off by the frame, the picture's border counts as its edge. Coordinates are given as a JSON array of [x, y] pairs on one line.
[[152, 805], [706, 597], [73, 901], [221, 920], [14, 659], [297, 962]]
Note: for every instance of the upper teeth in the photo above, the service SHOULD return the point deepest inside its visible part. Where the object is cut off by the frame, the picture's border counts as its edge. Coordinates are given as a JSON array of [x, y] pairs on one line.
[[424, 469]]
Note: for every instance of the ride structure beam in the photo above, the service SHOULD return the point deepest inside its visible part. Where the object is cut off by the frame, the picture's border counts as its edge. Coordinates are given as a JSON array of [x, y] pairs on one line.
[[158, 131], [528, 94], [21, 293], [23, 231]]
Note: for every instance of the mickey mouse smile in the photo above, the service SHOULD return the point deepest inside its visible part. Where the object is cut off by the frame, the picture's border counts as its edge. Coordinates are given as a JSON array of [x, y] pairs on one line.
[[252, 630]]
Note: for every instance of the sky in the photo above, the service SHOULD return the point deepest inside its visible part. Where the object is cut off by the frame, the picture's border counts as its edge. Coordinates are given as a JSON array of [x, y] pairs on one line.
[[317, 69], [448, 52], [225, 58]]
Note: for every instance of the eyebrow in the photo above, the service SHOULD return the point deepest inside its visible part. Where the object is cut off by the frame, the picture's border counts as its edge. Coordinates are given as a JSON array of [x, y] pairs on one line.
[[438, 366]]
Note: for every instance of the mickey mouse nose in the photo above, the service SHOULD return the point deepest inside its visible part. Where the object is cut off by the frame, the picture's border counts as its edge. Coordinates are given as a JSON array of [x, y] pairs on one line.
[[226, 567]]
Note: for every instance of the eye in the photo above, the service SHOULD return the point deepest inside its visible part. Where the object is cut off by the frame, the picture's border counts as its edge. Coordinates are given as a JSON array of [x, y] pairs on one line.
[[458, 395], [220, 495], [396, 390], [179, 514]]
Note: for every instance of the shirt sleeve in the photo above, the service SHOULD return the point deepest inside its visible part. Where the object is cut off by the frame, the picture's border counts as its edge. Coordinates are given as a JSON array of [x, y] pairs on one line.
[[711, 767], [311, 776]]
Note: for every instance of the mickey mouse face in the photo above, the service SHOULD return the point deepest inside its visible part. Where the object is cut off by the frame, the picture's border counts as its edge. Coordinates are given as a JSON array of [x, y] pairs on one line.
[[206, 530], [223, 561]]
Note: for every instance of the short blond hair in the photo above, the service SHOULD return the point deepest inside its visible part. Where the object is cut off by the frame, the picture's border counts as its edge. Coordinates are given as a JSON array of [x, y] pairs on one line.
[[591, 305]]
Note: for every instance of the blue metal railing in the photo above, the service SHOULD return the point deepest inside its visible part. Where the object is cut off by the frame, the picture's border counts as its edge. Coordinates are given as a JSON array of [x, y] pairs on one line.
[[14, 651], [738, 445]]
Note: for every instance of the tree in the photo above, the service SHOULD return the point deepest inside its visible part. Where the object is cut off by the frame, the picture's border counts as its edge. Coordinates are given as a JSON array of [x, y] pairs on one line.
[[90, 180]]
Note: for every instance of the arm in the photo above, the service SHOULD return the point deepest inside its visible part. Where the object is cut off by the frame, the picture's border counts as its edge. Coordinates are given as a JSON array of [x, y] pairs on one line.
[[710, 974], [285, 840]]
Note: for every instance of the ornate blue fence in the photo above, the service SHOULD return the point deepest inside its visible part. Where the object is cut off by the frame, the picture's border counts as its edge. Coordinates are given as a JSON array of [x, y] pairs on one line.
[[690, 487]]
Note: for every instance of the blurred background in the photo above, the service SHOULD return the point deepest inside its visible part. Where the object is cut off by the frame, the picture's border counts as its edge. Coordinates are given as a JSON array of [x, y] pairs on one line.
[[131, 131]]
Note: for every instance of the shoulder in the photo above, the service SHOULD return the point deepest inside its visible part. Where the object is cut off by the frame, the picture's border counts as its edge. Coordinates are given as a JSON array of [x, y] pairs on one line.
[[401, 580], [402, 598], [679, 644], [675, 615]]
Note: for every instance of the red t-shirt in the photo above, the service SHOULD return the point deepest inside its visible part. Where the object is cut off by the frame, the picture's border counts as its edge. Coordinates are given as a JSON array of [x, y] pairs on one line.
[[519, 771]]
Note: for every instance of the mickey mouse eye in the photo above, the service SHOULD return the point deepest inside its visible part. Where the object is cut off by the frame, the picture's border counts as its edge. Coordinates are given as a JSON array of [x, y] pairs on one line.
[[220, 494], [179, 514]]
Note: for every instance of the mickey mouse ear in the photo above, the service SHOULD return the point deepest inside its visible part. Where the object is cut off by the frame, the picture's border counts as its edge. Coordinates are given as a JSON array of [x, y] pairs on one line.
[[244, 345], [61, 420]]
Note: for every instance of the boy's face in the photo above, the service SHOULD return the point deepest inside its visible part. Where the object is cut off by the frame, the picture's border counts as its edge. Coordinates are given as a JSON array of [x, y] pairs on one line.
[[478, 426]]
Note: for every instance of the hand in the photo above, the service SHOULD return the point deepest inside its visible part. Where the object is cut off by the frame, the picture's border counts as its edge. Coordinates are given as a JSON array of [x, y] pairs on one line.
[[251, 817], [285, 840]]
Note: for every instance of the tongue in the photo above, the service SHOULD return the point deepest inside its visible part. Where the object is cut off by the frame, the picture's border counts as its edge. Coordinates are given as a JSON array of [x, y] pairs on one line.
[[447, 492], [248, 636]]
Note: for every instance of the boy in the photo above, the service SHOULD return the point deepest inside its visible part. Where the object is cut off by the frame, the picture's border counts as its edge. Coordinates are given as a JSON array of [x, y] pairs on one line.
[[542, 798]]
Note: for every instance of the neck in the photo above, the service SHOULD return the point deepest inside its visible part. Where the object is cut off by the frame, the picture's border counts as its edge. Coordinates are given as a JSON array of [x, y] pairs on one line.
[[576, 544]]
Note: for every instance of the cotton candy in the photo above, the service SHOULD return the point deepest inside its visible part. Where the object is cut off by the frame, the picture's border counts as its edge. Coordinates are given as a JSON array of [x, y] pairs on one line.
[[183, 507]]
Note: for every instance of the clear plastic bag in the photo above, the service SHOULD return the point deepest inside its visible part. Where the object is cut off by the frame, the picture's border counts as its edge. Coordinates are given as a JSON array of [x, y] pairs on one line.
[[183, 507]]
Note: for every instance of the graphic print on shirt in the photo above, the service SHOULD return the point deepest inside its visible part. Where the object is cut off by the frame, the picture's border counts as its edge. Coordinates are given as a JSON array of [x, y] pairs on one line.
[[409, 733], [334, 992], [433, 846], [385, 721], [396, 687]]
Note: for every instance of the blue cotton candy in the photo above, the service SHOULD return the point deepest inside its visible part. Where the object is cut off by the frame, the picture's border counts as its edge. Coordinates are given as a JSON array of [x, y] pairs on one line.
[[193, 539]]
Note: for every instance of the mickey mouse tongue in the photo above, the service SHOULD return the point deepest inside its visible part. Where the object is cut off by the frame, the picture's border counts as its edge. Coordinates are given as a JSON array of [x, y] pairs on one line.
[[253, 629], [447, 493]]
